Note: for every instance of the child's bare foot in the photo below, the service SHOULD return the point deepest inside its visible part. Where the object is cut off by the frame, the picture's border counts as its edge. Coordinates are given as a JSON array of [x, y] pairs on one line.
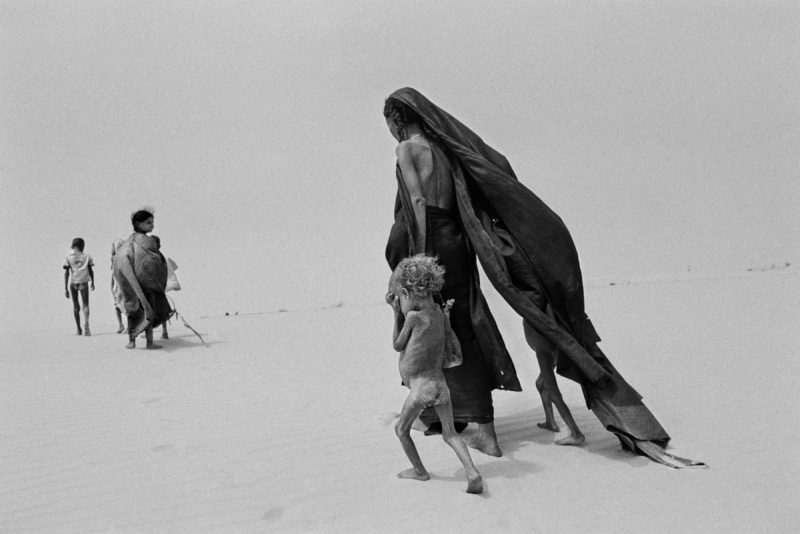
[[414, 474], [548, 425], [121, 329], [131, 345], [572, 439], [164, 336], [485, 440], [475, 484], [79, 332], [153, 346], [86, 330]]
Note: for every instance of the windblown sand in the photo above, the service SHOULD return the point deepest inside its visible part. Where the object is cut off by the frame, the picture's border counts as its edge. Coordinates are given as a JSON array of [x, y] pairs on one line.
[[282, 423]]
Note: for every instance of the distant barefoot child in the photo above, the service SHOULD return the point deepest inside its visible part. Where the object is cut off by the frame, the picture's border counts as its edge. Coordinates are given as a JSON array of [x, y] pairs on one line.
[[78, 268], [423, 337]]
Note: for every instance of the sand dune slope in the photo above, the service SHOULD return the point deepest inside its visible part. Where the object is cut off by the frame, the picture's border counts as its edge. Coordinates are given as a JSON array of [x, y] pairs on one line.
[[281, 424]]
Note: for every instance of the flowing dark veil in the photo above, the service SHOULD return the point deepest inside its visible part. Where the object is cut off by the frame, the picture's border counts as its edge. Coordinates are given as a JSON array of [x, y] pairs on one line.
[[518, 238]]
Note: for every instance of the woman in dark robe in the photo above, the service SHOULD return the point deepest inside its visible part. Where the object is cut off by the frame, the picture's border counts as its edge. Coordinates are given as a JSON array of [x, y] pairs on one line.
[[526, 251], [433, 227]]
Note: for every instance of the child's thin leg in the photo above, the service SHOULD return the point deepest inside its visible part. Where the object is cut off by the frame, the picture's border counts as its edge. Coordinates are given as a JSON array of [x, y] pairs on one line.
[[164, 334], [451, 437], [121, 328], [546, 365], [76, 308], [546, 354], [549, 419], [402, 428], [539, 345], [133, 320], [148, 335], [85, 298]]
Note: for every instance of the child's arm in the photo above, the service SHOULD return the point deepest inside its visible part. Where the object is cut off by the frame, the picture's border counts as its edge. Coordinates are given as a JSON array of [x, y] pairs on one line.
[[399, 318], [66, 281], [401, 337], [91, 275]]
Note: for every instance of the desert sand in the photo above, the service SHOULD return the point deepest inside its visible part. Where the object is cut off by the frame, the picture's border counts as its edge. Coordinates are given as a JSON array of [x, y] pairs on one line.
[[280, 422], [665, 134]]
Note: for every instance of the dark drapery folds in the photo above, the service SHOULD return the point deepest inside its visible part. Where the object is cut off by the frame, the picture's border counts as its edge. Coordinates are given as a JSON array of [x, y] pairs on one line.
[[489, 342], [141, 273], [518, 238]]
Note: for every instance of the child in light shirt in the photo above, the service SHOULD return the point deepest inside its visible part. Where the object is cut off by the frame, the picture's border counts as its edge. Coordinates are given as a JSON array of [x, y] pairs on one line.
[[78, 278]]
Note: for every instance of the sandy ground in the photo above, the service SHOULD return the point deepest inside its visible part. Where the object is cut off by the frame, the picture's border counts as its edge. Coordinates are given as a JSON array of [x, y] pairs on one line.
[[281, 423]]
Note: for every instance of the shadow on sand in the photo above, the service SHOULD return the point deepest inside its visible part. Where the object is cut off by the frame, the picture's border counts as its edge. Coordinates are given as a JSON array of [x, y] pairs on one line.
[[175, 342], [516, 431], [502, 467]]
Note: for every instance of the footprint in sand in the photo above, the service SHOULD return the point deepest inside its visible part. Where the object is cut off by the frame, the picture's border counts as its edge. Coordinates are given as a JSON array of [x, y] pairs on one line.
[[273, 514], [163, 447]]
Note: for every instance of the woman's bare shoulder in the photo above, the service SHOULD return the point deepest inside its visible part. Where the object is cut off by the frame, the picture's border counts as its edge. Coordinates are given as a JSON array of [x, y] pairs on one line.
[[412, 148]]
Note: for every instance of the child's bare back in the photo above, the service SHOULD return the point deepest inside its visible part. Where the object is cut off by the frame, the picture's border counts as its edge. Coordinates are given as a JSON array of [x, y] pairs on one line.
[[423, 351], [421, 359]]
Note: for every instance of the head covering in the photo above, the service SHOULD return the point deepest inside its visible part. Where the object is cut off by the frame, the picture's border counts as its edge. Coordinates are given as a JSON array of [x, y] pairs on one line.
[[537, 231], [466, 144]]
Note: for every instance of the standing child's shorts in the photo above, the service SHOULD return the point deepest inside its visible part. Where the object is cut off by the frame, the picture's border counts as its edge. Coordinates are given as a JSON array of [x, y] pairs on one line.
[[83, 289]]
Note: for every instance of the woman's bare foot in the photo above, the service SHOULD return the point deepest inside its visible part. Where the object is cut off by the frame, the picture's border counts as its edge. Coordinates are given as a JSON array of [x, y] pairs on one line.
[[485, 440], [153, 346], [548, 425], [475, 484], [131, 345], [414, 474], [572, 439]]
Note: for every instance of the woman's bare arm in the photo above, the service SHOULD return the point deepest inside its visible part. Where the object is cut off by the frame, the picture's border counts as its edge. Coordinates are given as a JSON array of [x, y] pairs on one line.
[[413, 182]]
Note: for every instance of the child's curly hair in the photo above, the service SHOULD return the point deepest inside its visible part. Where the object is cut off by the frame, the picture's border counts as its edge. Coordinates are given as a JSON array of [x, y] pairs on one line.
[[420, 274]]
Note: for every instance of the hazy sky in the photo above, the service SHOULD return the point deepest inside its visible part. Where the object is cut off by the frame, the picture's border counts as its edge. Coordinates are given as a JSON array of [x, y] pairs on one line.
[[665, 133]]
